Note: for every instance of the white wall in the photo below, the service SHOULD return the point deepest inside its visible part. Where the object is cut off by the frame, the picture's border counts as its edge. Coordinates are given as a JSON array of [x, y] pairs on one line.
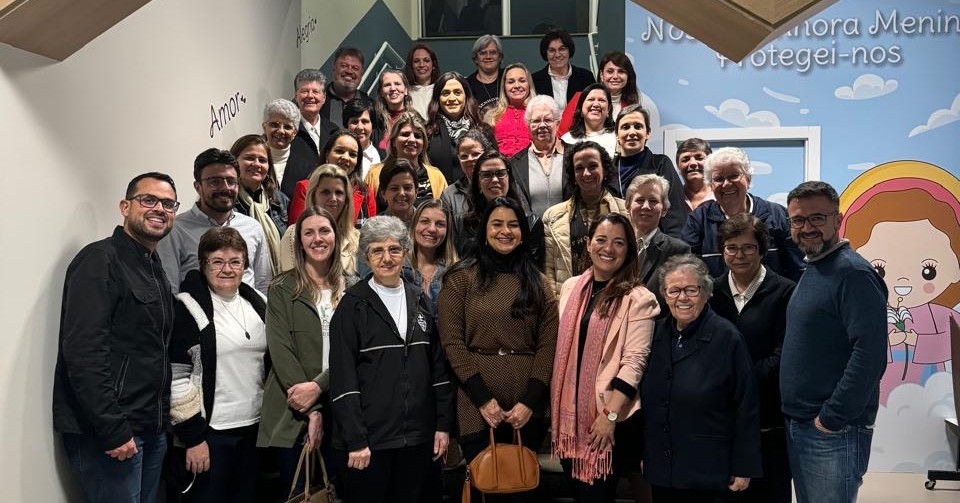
[[333, 21], [135, 99]]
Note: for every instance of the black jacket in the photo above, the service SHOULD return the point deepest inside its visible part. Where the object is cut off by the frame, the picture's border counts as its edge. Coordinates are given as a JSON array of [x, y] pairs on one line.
[[763, 323], [580, 78], [187, 334], [332, 108], [279, 205], [661, 248], [701, 425], [305, 155], [387, 392], [443, 154], [656, 164], [113, 378]]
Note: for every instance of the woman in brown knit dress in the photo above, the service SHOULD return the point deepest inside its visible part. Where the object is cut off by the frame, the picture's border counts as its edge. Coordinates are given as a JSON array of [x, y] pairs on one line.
[[498, 323]]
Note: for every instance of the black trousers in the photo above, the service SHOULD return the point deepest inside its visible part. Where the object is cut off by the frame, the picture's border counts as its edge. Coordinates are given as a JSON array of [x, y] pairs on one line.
[[670, 495], [532, 435], [394, 475], [232, 476], [774, 486]]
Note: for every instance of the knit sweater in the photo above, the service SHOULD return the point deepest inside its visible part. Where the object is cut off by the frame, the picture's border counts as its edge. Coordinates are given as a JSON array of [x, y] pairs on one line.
[[835, 347], [475, 325]]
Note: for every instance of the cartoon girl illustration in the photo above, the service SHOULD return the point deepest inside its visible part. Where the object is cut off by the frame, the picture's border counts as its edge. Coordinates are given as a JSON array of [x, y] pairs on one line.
[[904, 218]]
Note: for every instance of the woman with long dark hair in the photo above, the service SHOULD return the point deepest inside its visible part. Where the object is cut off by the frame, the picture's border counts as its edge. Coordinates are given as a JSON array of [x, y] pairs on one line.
[[592, 119], [259, 195], [606, 325], [617, 76], [498, 324], [422, 69], [451, 113]]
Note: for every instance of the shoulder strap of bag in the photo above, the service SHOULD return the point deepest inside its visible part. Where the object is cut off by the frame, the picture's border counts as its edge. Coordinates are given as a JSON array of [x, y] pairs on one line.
[[296, 474]]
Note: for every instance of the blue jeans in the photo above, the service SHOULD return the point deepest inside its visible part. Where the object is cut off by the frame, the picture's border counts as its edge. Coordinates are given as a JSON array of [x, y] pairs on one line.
[[106, 480], [827, 467]]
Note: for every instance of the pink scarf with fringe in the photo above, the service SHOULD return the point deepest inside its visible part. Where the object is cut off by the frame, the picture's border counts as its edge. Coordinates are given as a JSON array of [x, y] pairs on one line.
[[572, 401]]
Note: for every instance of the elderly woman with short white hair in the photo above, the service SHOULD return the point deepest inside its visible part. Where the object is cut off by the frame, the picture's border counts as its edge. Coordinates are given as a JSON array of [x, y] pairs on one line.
[[280, 121], [729, 173], [392, 400]]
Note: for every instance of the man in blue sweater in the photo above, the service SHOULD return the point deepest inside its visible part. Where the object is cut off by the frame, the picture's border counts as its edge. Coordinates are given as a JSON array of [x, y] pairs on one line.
[[834, 353]]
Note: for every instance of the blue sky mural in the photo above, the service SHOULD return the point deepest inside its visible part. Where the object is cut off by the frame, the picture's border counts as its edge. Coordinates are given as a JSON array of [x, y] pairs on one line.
[[879, 77]]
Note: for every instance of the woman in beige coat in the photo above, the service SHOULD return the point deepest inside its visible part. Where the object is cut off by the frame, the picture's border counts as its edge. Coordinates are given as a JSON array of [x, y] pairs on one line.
[[605, 331], [565, 225]]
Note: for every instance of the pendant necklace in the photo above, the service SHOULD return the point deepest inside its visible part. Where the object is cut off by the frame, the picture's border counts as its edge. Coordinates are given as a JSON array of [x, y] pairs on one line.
[[243, 324]]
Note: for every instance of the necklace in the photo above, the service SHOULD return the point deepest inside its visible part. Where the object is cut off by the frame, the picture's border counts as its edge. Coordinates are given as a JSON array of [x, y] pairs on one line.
[[242, 324]]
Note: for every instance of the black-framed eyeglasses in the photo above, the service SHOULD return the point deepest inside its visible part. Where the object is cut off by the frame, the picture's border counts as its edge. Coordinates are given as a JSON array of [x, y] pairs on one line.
[[689, 291], [149, 202], [497, 173], [221, 181], [729, 178], [816, 220], [733, 250]]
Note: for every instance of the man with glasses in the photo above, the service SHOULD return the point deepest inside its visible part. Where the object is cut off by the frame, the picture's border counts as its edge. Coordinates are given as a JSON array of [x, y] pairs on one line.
[[112, 385], [834, 353], [539, 167], [216, 180], [729, 173]]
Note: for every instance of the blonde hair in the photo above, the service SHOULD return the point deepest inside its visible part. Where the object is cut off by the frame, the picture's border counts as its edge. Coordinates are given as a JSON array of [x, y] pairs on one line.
[[502, 101], [348, 235]]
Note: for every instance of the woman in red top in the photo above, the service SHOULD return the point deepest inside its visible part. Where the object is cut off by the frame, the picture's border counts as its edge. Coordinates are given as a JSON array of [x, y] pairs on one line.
[[509, 126], [617, 75], [343, 151]]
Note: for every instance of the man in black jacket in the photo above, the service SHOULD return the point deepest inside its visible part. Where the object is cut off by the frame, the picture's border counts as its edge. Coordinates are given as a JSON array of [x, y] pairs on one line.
[[111, 391], [313, 132]]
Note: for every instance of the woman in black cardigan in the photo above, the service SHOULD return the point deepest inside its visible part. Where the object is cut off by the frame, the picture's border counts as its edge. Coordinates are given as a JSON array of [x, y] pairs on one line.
[[701, 428], [754, 298]]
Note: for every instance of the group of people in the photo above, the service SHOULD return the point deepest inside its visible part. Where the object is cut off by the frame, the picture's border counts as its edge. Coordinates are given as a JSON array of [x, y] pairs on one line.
[[386, 279]]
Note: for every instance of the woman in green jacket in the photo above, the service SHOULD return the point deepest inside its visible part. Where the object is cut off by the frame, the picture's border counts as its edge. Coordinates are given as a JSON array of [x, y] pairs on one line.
[[299, 307]]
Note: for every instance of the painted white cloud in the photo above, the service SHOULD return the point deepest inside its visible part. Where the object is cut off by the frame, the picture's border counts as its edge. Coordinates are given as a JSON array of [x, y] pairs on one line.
[[804, 111], [630, 40], [738, 113], [778, 197], [655, 141], [780, 96], [865, 87], [909, 434], [675, 126], [761, 168], [938, 118], [861, 166], [683, 82]]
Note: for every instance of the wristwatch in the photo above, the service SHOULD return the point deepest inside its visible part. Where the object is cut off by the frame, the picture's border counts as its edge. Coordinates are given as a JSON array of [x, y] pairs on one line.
[[611, 415]]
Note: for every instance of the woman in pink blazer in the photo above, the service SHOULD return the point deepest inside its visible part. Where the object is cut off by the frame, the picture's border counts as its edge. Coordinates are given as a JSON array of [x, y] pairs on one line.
[[606, 326]]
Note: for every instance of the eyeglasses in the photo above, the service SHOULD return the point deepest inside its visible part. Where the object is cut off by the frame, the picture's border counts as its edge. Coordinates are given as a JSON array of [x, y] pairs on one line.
[[733, 250], [285, 127], [816, 220], [488, 52], [218, 265], [546, 121], [689, 291], [220, 181], [378, 253], [501, 174], [729, 178], [562, 50], [149, 202]]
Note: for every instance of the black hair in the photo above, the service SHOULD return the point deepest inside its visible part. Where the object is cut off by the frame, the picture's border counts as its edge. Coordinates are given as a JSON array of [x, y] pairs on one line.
[[348, 51], [568, 153], [214, 156], [552, 35], [530, 298], [814, 188], [579, 127], [744, 223], [475, 198], [692, 145], [163, 177]]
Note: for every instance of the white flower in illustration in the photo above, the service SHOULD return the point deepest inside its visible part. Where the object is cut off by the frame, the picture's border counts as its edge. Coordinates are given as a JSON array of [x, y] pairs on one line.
[[938, 118], [865, 87], [738, 113]]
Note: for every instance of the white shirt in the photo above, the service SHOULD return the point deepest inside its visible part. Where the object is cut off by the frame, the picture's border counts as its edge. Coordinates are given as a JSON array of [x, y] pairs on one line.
[[325, 310], [420, 97], [606, 139], [371, 156], [396, 301], [559, 84], [238, 394], [313, 132], [740, 299], [280, 158]]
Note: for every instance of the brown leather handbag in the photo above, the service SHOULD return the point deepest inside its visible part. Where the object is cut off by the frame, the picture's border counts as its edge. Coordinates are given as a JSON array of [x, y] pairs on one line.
[[502, 469]]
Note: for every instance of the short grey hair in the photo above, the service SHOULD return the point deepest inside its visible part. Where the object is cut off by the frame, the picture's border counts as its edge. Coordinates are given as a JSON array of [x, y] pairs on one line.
[[381, 228], [309, 75], [691, 262], [284, 108], [649, 179], [541, 100], [484, 41], [724, 156]]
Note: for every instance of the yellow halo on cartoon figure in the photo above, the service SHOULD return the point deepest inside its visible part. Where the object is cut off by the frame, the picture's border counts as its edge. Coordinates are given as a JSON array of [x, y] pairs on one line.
[[898, 169]]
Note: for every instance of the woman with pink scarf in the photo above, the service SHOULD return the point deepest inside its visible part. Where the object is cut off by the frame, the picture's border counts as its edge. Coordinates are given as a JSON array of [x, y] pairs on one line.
[[606, 325]]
